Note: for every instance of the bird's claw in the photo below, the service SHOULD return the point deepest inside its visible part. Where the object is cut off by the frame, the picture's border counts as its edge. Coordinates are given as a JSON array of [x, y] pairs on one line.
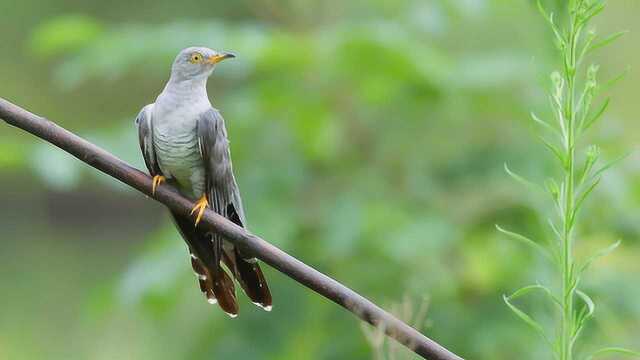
[[199, 208], [157, 180]]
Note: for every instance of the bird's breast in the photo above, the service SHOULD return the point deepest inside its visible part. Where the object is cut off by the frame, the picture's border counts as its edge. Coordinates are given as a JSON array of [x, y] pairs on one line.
[[176, 144]]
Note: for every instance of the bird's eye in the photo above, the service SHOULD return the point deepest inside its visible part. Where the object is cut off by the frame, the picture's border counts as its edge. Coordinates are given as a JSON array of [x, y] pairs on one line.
[[195, 58]]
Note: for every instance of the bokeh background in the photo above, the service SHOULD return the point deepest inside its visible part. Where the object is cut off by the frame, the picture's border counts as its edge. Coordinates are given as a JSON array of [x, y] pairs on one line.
[[368, 139]]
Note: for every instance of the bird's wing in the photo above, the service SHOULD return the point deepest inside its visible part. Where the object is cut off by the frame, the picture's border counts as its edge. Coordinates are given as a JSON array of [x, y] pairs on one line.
[[145, 136], [221, 184], [224, 197]]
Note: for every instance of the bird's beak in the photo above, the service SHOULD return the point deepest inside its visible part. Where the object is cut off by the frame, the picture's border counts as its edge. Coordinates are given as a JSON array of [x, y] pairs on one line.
[[214, 59]]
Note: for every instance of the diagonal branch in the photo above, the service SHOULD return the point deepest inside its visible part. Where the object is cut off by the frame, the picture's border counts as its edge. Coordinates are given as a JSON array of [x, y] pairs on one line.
[[283, 262]]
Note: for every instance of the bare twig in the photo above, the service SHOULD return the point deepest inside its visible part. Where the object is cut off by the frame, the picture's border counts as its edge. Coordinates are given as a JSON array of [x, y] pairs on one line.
[[283, 262]]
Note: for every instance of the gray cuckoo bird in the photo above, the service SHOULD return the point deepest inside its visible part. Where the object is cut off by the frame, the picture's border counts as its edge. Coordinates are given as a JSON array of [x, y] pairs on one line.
[[184, 142]]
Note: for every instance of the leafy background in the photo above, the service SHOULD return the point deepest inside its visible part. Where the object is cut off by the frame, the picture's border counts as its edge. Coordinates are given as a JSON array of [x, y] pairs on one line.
[[368, 138]]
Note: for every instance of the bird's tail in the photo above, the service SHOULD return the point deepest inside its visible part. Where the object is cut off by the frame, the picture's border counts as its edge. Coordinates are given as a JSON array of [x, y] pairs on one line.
[[246, 269], [249, 275], [206, 255]]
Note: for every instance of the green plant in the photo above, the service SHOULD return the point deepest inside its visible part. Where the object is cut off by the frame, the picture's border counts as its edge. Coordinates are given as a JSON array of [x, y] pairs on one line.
[[407, 311], [574, 89]]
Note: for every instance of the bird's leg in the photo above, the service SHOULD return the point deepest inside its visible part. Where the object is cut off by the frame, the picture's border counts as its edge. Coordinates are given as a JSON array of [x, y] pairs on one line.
[[201, 204], [157, 180]]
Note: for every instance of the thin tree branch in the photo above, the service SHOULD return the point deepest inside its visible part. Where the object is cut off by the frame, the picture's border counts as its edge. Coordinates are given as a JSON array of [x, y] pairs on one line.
[[283, 262]]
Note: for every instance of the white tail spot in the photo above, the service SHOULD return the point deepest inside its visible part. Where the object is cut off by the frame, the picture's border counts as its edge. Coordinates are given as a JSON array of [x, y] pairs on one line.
[[266, 308]]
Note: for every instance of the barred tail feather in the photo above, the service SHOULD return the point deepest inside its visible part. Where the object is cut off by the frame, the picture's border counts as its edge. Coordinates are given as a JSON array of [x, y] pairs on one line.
[[225, 293], [214, 282], [246, 269], [253, 283]]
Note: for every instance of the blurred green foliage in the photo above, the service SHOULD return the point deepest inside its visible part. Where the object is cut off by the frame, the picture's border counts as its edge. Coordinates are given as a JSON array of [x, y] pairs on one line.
[[368, 139]]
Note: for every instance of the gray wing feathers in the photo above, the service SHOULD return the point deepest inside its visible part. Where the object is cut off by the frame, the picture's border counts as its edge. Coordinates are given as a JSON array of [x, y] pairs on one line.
[[145, 137], [214, 148], [224, 198]]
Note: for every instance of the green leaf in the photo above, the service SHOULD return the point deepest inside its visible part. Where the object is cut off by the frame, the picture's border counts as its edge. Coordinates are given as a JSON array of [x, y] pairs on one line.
[[597, 116], [555, 151], [555, 192], [608, 165], [586, 98], [588, 14], [523, 291], [585, 313], [543, 123], [591, 36], [593, 153], [527, 289], [604, 252], [554, 229], [613, 350], [590, 306], [573, 280], [583, 195], [521, 179], [525, 240], [606, 41], [526, 318], [609, 84], [554, 27]]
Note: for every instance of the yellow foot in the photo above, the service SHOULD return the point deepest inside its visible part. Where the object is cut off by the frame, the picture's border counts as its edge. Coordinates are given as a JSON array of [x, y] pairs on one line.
[[157, 180], [201, 204]]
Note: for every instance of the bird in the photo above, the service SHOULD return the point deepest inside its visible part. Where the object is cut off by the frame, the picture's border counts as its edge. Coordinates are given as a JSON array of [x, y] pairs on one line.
[[183, 140]]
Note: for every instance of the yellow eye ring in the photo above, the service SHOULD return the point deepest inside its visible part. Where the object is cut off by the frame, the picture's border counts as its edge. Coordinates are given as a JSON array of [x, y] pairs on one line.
[[196, 58]]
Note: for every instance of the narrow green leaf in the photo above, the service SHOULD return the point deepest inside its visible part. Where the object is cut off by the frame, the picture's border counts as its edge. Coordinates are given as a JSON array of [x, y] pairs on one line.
[[563, 194], [604, 252], [573, 281], [591, 36], [542, 11], [521, 179], [525, 240], [523, 291], [586, 97], [593, 119], [586, 312], [593, 153], [583, 195], [554, 190], [595, 9], [527, 289], [543, 123], [589, 304], [609, 84], [554, 28], [554, 229], [606, 41], [608, 165], [526, 318], [613, 350], [555, 151]]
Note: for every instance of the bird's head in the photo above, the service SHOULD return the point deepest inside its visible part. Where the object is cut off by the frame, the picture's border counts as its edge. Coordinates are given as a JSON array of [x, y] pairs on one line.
[[197, 62]]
